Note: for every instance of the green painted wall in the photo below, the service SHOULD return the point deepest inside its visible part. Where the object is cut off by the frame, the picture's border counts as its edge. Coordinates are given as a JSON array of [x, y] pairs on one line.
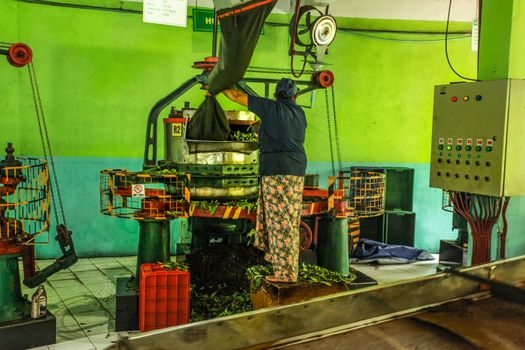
[[494, 50], [100, 72], [502, 49], [517, 68], [9, 77]]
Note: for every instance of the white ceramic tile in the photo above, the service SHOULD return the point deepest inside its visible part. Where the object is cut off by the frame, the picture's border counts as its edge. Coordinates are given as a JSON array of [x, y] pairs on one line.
[[83, 261], [109, 265], [68, 283], [77, 344], [100, 279], [103, 259], [100, 317], [83, 267], [96, 329], [64, 318], [102, 341], [126, 259]]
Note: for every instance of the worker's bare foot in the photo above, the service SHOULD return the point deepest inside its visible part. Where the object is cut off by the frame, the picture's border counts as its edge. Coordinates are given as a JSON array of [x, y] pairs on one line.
[[272, 278]]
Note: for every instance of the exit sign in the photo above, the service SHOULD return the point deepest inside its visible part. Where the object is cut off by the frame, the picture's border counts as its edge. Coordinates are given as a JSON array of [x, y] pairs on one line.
[[203, 20]]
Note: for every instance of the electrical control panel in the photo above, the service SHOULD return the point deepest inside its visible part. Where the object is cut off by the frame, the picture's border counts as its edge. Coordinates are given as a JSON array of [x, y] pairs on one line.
[[478, 138]]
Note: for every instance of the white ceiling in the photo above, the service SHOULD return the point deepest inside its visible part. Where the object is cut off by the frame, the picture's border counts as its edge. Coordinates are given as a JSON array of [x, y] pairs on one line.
[[462, 10]]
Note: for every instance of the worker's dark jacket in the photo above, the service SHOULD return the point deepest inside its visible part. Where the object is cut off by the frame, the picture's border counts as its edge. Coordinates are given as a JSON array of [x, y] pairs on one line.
[[281, 136]]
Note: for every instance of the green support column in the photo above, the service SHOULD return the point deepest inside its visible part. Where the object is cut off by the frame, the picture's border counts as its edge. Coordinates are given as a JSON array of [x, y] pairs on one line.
[[12, 305], [154, 243], [502, 48], [333, 245]]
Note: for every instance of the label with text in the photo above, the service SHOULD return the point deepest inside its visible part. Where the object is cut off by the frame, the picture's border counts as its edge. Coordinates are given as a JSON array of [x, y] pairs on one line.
[[176, 129]]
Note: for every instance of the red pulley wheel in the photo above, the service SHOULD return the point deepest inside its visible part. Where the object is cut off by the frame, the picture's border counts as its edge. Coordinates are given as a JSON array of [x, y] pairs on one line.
[[305, 236], [324, 78], [19, 55]]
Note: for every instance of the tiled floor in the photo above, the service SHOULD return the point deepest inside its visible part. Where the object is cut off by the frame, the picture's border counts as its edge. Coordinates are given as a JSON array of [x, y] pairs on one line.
[[83, 297]]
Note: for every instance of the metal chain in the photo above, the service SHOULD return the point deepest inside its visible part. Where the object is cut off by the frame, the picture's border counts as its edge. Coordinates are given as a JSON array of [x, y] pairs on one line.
[[271, 71], [338, 149], [329, 131], [46, 144]]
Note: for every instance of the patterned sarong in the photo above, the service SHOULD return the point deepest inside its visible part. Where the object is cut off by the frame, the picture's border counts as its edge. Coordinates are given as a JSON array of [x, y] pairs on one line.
[[278, 219]]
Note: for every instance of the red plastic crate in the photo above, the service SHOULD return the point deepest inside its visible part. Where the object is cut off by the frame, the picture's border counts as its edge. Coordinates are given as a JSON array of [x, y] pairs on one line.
[[164, 298]]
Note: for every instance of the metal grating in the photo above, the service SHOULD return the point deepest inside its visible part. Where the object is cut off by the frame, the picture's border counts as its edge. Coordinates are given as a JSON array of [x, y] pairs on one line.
[[141, 196], [24, 202], [362, 191]]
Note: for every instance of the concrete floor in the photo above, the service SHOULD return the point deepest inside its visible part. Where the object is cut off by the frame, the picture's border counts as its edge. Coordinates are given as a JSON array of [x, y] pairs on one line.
[[83, 297]]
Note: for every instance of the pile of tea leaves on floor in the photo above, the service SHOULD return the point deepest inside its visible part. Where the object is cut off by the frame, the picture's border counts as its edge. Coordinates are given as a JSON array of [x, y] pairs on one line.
[[218, 278], [311, 274]]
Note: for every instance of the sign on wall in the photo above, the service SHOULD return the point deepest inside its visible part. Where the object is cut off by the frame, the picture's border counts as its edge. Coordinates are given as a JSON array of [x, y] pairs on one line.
[[169, 12], [203, 20]]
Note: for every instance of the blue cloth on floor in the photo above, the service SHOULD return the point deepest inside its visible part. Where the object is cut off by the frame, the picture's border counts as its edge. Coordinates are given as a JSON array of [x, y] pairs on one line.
[[369, 251]]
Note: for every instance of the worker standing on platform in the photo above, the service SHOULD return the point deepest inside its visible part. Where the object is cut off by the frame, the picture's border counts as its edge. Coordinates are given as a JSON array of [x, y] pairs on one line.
[[282, 167]]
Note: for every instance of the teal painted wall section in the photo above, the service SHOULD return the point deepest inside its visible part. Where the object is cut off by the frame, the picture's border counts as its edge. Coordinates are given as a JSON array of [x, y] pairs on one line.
[[99, 235], [100, 72]]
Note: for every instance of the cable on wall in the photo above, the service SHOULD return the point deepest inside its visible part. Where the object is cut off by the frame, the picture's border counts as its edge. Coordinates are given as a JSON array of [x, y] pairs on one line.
[[446, 46]]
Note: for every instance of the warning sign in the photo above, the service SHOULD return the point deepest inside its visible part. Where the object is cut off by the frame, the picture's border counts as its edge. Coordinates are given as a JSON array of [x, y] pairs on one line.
[[138, 190]]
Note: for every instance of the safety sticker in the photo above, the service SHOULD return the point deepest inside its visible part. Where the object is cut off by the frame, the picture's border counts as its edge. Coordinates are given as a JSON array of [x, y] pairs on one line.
[[138, 190]]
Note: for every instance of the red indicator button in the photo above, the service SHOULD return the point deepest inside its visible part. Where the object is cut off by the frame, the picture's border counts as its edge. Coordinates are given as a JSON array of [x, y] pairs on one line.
[[454, 99]]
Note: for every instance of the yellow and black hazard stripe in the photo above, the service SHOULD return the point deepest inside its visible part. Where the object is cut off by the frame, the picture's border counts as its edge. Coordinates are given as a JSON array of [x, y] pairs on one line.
[[353, 232], [232, 213]]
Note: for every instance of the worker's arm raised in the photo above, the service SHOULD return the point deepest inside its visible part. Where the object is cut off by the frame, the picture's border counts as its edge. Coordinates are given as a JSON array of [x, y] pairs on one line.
[[237, 96]]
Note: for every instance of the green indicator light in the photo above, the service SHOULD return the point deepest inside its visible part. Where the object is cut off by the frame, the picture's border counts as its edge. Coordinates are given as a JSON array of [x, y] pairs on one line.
[[478, 156], [458, 148], [468, 148], [478, 148], [459, 155], [449, 148], [440, 147], [488, 149], [469, 155]]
